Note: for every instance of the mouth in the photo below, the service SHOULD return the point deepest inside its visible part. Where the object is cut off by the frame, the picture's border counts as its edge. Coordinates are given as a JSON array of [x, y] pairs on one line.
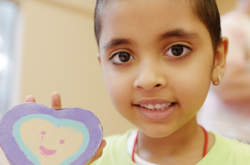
[[46, 152], [156, 111], [156, 107]]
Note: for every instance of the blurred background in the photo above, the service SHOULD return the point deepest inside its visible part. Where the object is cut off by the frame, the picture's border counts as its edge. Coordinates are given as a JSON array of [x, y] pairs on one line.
[[49, 45]]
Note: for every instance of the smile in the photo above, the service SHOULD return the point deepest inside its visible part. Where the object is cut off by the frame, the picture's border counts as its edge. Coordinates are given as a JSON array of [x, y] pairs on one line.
[[156, 107], [47, 151], [156, 111]]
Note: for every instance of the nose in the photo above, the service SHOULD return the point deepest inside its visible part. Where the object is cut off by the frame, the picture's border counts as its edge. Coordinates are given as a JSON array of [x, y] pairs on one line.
[[150, 77]]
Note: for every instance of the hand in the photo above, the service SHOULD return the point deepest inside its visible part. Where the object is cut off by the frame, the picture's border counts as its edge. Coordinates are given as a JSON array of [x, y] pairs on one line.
[[98, 153], [56, 104], [55, 100]]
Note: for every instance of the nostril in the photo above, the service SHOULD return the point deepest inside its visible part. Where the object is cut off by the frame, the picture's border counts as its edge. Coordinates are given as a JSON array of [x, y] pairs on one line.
[[158, 85]]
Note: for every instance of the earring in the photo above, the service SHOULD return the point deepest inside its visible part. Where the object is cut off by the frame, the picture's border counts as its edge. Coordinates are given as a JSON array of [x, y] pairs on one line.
[[218, 82]]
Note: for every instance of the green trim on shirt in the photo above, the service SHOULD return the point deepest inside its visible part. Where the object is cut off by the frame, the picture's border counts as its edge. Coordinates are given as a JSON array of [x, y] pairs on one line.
[[224, 152]]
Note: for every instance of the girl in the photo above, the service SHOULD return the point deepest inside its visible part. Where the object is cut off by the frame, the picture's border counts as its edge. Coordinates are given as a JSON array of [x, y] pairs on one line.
[[158, 58]]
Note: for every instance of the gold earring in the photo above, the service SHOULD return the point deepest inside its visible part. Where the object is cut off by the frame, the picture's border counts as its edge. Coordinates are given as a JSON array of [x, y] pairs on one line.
[[218, 82]]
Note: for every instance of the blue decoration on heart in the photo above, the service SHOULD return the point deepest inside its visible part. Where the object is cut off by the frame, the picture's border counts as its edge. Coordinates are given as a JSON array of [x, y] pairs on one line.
[[44, 132], [79, 127]]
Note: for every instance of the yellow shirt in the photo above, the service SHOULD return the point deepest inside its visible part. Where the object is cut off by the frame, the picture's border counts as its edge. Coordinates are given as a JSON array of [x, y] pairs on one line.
[[224, 152]]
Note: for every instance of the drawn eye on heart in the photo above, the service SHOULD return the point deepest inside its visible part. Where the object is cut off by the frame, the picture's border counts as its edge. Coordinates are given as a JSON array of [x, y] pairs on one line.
[[48, 141], [44, 132], [33, 134]]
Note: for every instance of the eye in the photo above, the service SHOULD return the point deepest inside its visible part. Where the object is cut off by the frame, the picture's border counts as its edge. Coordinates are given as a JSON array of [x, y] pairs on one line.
[[121, 57], [62, 141], [178, 50]]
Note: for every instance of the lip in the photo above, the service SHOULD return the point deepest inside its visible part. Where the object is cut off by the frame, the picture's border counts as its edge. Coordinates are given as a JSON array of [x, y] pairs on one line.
[[152, 101], [156, 115]]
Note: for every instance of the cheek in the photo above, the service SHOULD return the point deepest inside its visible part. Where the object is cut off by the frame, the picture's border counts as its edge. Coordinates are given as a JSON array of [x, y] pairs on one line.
[[193, 85], [119, 87]]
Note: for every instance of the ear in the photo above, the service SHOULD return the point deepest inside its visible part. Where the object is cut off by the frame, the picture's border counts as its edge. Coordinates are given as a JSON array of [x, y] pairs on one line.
[[220, 60], [98, 57]]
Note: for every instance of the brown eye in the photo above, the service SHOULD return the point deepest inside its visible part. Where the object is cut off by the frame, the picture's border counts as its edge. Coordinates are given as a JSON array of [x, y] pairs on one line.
[[124, 57], [121, 57], [178, 50]]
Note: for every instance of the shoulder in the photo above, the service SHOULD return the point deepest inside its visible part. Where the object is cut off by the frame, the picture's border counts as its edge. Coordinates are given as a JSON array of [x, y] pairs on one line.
[[117, 142], [229, 152], [118, 137], [240, 153], [235, 145], [115, 151]]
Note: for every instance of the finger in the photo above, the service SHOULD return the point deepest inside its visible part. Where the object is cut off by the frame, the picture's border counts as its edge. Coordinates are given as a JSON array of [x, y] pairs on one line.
[[103, 144], [56, 101], [98, 154], [30, 98]]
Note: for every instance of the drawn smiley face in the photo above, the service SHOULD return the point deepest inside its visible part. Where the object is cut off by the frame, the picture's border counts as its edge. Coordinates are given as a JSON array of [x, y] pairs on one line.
[[50, 144], [33, 133], [45, 151]]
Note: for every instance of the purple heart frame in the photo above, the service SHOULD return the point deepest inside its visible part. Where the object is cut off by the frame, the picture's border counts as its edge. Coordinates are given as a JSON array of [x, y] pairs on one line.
[[17, 156]]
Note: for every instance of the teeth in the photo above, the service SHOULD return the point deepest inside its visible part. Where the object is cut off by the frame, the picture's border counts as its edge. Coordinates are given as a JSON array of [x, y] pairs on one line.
[[151, 106], [156, 107]]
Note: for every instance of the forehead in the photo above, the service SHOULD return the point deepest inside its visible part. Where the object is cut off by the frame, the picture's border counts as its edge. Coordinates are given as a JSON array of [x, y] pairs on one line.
[[147, 20]]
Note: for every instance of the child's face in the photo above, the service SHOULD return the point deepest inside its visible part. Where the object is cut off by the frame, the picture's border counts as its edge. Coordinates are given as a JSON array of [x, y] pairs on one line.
[[143, 65]]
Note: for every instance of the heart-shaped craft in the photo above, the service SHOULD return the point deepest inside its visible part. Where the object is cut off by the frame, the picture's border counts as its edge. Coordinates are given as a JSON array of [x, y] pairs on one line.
[[32, 133]]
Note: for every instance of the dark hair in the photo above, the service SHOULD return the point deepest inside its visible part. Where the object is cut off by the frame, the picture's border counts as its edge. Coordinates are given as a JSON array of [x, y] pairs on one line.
[[206, 10]]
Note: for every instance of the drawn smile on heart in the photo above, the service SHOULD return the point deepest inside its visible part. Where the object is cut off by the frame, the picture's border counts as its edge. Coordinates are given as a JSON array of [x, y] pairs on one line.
[[35, 134], [49, 142], [45, 151]]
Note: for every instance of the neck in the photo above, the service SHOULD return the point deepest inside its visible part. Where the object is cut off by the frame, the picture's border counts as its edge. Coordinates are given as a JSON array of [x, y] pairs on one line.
[[189, 137]]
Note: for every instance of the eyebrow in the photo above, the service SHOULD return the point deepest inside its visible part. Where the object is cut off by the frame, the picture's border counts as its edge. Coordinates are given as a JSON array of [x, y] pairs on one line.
[[115, 42], [174, 33], [179, 33]]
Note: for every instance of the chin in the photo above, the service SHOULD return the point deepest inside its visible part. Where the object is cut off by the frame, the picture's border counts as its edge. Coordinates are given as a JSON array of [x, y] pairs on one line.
[[158, 132]]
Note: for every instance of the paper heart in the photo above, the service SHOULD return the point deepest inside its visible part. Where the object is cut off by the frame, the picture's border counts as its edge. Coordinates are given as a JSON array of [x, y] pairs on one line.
[[32, 133], [39, 137]]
